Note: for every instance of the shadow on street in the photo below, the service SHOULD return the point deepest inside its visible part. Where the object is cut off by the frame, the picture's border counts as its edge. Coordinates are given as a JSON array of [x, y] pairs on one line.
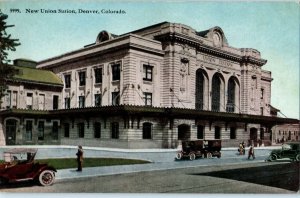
[[285, 176]]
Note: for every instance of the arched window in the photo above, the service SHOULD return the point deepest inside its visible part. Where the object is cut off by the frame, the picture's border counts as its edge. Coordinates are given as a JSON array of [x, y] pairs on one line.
[[147, 130], [230, 96], [199, 90], [216, 93]]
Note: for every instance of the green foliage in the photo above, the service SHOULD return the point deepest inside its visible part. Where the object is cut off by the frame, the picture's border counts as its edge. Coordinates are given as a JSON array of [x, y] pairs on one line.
[[64, 163], [6, 44]]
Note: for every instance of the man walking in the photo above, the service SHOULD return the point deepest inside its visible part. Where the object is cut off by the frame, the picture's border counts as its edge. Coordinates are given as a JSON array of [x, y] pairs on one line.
[[79, 158], [251, 152]]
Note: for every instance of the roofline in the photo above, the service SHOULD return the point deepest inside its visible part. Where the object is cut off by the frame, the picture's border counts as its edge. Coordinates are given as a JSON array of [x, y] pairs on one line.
[[146, 111]]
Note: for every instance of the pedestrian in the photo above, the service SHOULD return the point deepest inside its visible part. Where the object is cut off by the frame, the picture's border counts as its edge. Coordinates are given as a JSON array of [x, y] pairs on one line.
[[243, 145], [251, 152], [79, 158]]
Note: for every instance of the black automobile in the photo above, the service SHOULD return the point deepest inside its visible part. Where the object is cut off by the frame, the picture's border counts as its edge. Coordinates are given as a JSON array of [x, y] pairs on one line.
[[289, 150]]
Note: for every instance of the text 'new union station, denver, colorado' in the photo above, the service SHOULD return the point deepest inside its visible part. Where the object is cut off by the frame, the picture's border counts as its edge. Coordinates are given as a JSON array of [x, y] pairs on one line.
[[149, 88]]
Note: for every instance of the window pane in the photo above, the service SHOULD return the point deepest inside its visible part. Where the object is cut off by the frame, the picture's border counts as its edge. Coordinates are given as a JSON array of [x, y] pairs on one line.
[[41, 126], [97, 130], [81, 78], [115, 98], [55, 130], [66, 130], [97, 100], [147, 131], [80, 130], [28, 135], [115, 130], [116, 72], [55, 102], [98, 75], [147, 72], [81, 101]]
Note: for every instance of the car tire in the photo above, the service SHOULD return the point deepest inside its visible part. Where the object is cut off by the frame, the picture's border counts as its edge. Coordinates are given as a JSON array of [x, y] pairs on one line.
[[178, 156], [192, 156], [273, 157], [46, 178], [297, 158]]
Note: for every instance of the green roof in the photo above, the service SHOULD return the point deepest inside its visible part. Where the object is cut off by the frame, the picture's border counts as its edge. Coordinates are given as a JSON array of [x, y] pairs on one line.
[[36, 76]]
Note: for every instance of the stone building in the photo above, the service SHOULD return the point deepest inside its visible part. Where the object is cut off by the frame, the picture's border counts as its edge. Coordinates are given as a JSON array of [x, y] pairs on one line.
[[156, 86], [286, 132]]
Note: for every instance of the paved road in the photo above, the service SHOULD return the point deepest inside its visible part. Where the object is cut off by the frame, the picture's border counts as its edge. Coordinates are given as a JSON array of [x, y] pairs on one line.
[[240, 178]]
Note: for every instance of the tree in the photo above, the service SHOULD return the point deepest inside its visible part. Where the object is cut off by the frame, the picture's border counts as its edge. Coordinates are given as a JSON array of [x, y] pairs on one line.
[[6, 44]]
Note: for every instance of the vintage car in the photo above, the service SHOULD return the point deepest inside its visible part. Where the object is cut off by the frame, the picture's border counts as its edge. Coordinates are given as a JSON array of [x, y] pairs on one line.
[[199, 148], [19, 165], [289, 150]]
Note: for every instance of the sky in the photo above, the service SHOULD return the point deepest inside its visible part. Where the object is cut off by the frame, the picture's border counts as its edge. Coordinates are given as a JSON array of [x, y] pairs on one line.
[[270, 27]]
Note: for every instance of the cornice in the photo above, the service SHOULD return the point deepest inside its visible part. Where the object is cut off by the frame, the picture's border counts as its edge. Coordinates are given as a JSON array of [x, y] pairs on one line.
[[201, 47]]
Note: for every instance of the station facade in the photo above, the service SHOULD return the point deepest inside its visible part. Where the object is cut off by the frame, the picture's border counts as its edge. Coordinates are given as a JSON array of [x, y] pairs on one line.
[[149, 88]]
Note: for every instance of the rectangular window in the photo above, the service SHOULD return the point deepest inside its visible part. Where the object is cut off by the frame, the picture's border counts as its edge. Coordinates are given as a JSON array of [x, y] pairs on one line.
[[41, 129], [41, 101], [66, 130], [147, 72], [97, 130], [67, 103], [14, 99], [116, 72], [55, 102], [81, 101], [148, 99], [81, 75], [217, 132], [147, 130], [261, 111], [115, 98], [29, 100], [262, 94], [8, 99], [232, 133], [97, 100], [81, 130], [55, 130], [115, 130], [67, 81], [200, 132], [28, 135], [98, 75]]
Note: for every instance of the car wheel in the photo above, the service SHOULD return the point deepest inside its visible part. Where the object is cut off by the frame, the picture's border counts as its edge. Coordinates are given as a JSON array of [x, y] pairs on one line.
[[2, 181], [192, 156], [297, 158], [178, 156], [273, 157], [46, 178]]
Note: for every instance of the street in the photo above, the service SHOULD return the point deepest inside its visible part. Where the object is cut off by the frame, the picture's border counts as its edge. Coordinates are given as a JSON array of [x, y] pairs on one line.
[[260, 177]]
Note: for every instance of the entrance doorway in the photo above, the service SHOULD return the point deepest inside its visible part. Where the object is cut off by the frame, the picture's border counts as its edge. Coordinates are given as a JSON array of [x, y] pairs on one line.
[[253, 136], [11, 128], [184, 132]]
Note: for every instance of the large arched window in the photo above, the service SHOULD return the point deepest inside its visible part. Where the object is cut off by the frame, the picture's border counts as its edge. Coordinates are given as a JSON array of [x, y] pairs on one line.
[[147, 130], [216, 93], [199, 89], [230, 96]]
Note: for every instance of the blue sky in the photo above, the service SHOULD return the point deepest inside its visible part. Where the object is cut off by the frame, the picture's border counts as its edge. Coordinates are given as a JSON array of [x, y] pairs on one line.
[[270, 27]]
